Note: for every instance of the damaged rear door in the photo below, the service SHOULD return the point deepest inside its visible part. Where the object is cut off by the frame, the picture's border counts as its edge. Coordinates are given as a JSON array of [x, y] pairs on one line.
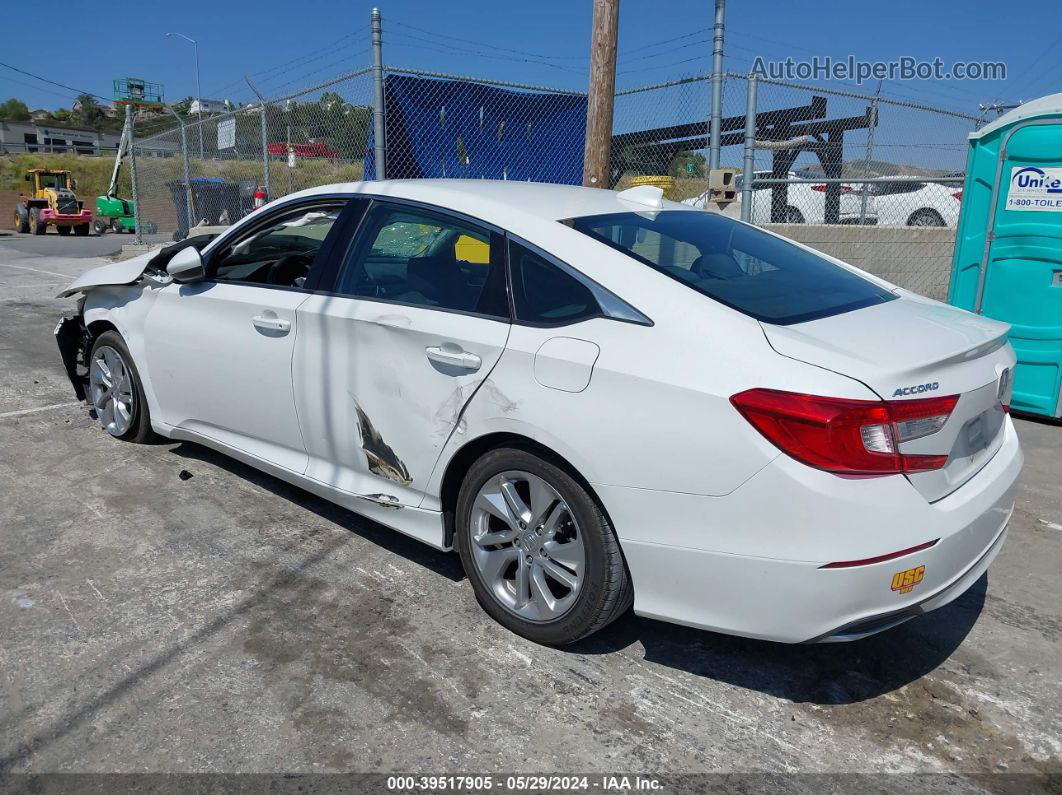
[[416, 317]]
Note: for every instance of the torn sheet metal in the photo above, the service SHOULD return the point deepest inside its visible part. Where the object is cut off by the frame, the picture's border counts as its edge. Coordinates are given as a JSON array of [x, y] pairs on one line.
[[381, 459]]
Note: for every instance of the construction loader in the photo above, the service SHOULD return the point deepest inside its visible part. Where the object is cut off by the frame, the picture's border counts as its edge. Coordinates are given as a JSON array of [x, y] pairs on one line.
[[51, 202]]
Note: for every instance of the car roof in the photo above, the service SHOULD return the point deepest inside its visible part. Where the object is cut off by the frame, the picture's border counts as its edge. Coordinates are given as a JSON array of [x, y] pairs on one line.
[[501, 202]]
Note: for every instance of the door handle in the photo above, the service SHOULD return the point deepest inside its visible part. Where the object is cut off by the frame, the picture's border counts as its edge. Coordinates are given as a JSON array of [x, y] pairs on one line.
[[271, 323], [453, 356]]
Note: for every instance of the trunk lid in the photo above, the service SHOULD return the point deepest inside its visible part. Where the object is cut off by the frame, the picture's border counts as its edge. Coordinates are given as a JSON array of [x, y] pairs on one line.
[[913, 348]]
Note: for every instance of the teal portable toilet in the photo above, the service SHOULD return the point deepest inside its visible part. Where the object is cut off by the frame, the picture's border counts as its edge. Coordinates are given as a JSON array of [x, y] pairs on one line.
[[1008, 247]]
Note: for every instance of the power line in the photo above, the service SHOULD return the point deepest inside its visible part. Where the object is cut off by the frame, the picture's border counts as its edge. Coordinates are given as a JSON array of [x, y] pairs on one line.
[[671, 51], [661, 66], [7, 79], [317, 54], [670, 40], [302, 77], [489, 46], [344, 59], [451, 50], [52, 82]]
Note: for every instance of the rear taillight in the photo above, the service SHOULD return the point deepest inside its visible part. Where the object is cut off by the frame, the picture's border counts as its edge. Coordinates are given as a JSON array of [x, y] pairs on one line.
[[822, 188], [849, 437], [957, 195]]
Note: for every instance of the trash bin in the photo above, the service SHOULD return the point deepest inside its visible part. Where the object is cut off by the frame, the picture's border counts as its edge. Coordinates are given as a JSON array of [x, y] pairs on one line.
[[214, 200], [1008, 246]]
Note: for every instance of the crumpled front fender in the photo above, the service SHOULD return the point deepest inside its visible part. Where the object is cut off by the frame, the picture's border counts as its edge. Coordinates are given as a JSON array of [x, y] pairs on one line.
[[115, 273]]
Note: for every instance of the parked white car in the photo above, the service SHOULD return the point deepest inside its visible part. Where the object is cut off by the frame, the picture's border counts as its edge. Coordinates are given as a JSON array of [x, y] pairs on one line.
[[598, 399], [805, 203], [909, 202]]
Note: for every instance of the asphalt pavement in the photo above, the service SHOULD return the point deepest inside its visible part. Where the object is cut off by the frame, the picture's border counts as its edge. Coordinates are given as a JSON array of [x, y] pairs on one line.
[[164, 608]]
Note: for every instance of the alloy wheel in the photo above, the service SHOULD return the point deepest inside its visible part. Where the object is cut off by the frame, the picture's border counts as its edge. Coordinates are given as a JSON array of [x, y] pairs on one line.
[[527, 546], [111, 391]]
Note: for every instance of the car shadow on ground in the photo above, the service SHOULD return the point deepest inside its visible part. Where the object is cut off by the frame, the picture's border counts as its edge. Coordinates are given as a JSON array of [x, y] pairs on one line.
[[414, 551], [831, 673]]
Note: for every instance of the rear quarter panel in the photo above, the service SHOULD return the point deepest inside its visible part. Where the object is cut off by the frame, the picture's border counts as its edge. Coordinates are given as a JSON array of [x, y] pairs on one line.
[[656, 413]]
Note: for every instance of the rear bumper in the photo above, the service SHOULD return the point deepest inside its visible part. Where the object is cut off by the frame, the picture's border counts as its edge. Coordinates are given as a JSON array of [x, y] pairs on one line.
[[73, 219], [736, 564]]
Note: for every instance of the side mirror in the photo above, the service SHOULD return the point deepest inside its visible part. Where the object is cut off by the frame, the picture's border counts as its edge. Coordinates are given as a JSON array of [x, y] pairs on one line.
[[27, 178], [187, 266], [74, 183]]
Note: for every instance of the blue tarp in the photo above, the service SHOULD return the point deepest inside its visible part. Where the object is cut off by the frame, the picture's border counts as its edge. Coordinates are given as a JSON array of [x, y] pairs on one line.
[[456, 129]]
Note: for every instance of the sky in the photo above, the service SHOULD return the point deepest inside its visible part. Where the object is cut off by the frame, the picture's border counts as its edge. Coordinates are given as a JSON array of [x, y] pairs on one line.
[[284, 46]]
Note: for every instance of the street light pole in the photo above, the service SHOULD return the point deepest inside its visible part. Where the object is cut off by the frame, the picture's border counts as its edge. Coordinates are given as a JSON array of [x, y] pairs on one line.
[[198, 87]]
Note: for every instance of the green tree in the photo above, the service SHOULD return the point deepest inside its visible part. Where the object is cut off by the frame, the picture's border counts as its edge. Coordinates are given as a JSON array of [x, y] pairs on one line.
[[183, 108], [14, 110], [681, 162], [87, 111]]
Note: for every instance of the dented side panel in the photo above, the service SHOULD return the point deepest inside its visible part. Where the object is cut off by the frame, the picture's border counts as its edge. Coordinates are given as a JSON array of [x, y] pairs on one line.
[[654, 413], [374, 408]]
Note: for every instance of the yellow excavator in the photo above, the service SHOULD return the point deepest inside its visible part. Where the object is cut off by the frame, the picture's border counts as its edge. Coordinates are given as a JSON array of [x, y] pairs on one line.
[[51, 202]]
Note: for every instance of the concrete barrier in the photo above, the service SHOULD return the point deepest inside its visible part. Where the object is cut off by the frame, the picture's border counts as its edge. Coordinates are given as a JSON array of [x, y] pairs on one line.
[[916, 258]]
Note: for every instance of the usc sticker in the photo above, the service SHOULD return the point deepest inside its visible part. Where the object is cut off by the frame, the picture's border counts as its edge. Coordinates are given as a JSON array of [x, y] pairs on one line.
[[904, 581]]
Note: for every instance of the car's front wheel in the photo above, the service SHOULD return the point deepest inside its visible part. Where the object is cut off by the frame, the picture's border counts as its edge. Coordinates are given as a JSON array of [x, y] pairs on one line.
[[115, 392], [542, 557]]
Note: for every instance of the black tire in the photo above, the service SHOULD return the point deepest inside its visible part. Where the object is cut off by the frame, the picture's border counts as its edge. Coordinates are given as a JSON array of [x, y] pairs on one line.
[[21, 221], [793, 216], [925, 217], [36, 225], [82, 230], [140, 429], [100, 227], [116, 226], [63, 230], [605, 593]]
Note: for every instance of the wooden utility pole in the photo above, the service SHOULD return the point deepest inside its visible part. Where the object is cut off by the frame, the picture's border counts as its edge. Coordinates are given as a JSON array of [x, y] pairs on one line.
[[602, 93]]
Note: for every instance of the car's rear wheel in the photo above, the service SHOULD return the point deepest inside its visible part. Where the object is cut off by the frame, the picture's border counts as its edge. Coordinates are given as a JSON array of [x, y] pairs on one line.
[[793, 216], [542, 557], [63, 230], [925, 217], [82, 230], [115, 392]]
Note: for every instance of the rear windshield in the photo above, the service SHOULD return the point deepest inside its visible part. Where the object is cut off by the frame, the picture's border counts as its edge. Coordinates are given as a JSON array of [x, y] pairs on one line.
[[738, 265]]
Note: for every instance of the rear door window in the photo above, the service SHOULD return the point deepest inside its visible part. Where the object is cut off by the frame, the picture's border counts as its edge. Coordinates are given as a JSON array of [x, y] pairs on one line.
[[745, 268]]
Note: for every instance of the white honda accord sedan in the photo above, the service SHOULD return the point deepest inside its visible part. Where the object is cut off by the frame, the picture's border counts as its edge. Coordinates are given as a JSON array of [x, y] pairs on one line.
[[599, 399]]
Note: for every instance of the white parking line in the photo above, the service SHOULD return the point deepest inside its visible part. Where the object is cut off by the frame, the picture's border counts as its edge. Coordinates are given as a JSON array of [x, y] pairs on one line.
[[35, 270], [21, 412]]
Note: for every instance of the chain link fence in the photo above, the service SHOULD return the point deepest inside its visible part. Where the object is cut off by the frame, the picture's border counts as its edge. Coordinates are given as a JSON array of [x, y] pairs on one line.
[[208, 173], [872, 180]]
